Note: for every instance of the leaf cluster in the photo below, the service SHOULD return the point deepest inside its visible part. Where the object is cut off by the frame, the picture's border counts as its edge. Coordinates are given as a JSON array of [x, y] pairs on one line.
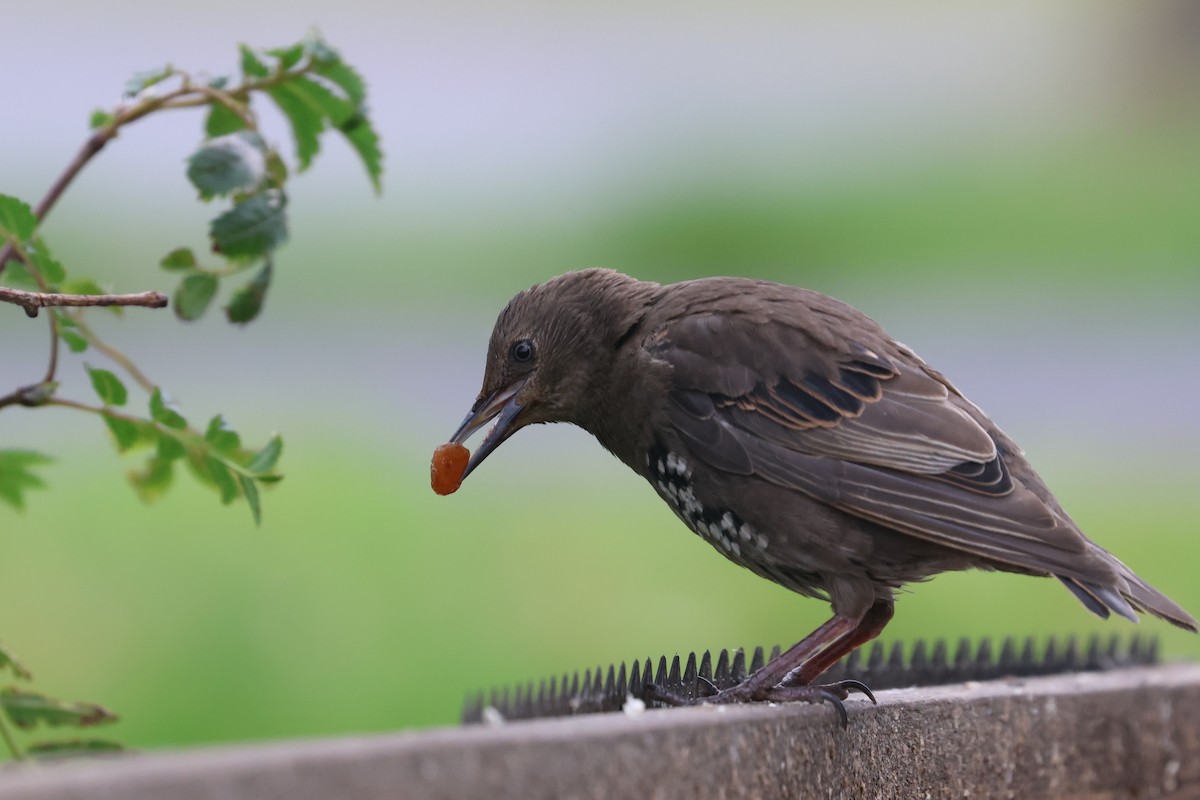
[[28, 710], [316, 92]]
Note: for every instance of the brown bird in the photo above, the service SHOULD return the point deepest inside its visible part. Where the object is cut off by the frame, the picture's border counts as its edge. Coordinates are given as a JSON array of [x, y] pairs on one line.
[[800, 440]]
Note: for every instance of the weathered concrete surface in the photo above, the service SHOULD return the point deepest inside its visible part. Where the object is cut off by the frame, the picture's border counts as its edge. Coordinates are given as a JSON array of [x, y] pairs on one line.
[[1134, 733]]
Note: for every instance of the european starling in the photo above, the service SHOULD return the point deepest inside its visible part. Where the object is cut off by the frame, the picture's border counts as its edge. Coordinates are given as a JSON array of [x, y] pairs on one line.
[[800, 440]]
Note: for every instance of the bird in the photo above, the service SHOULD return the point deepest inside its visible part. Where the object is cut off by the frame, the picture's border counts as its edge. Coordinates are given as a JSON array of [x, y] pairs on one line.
[[793, 434]]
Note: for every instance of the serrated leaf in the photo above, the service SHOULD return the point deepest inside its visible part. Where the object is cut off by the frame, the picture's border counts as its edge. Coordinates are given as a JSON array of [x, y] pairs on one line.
[[178, 259], [125, 432], [343, 76], [193, 295], [99, 118], [108, 386], [28, 709], [365, 141], [144, 80], [247, 302], [51, 270], [252, 67], [163, 411], [17, 221], [71, 748], [306, 119], [264, 460], [16, 476], [221, 436], [251, 493], [227, 164], [74, 341], [222, 120], [11, 662], [288, 56], [252, 228]]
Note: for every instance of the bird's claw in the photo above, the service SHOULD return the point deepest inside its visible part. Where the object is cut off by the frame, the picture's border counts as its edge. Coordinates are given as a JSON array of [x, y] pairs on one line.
[[832, 693]]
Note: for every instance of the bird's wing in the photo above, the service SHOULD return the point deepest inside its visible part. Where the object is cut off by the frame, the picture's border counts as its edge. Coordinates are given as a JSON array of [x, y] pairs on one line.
[[879, 437]]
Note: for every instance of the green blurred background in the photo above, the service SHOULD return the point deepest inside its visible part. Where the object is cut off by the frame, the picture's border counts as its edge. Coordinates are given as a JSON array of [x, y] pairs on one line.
[[1013, 189]]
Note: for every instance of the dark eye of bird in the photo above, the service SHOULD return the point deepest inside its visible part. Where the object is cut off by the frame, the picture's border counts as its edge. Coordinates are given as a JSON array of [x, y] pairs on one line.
[[522, 351]]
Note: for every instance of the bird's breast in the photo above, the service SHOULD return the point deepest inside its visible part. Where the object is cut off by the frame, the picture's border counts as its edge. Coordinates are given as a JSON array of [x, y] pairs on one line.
[[671, 474]]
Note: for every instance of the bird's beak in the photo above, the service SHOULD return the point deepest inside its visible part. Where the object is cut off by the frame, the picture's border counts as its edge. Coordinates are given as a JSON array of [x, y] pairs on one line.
[[500, 405]]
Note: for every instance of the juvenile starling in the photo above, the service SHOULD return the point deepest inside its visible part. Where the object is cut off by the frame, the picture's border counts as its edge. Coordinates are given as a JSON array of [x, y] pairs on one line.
[[800, 440]]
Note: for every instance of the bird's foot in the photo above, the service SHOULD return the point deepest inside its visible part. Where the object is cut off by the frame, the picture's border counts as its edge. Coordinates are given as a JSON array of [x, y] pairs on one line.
[[832, 693]]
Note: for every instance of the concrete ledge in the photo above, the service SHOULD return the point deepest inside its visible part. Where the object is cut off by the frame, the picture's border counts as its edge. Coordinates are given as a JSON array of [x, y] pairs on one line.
[[1130, 733]]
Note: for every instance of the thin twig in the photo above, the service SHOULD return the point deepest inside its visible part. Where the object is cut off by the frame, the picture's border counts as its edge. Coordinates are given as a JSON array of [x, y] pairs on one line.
[[53, 366], [32, 301], [112, 353], [186, 95]]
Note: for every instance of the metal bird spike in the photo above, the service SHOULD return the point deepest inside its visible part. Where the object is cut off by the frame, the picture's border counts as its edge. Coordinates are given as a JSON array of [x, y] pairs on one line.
[[882, 667]]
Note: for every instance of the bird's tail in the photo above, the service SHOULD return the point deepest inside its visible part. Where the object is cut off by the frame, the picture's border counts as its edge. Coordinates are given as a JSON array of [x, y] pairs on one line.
[[1126, 595]]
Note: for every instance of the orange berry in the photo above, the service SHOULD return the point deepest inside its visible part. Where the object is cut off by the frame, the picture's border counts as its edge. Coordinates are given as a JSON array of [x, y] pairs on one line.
[[449, 464]]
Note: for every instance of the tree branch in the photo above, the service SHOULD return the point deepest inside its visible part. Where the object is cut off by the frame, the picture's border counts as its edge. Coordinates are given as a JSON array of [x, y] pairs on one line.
[[32, 301]]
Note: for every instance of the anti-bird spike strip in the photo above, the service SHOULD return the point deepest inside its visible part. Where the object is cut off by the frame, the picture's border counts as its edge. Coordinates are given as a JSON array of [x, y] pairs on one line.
[[883, 668]]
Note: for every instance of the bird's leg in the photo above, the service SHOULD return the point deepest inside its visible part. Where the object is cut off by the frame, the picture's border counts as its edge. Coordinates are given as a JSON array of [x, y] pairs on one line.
[[870, 626], [788, 677]]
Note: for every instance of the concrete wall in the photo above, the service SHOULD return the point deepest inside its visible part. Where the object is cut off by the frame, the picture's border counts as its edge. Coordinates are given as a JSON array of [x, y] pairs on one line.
[[1129, 733]]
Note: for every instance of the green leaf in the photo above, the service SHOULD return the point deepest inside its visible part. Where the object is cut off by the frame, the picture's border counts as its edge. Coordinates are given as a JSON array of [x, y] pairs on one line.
[[221, 120], [251, 492], [365, 141], [252, 67], [144, 80], [264, 460], [108, 386], [125, 432], [289, 56], [277, 171], [73, 748], [99, 118], [17, 221], [305, 116], [178, 259], [228, 163], [169, 449], [194, 294], [163, 411], [74, 341], [247, 302], [223, 438], [52, 271], [28, 709], [344, 77], [8, 660], [153, 479], [252, 228], [16, 477], [222, 478]]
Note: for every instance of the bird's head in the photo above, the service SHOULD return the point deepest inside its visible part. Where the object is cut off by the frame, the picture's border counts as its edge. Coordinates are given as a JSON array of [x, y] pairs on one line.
[[550, 353]]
